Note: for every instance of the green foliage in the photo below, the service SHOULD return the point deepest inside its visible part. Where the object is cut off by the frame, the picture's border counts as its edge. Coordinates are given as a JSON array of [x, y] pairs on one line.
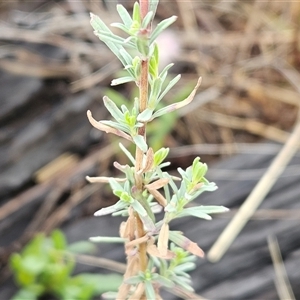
[[45, 266], [145, 188]]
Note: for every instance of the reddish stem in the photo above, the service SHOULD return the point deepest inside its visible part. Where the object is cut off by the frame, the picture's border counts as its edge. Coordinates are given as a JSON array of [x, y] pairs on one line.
[[144, 5]]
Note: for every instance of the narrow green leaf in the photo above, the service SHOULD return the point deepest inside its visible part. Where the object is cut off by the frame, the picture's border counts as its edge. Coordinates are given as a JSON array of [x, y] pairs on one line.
[[211, 209], [128, 58], [113, 109], [161, 27], [145, 116], [98, 24], [160, 155], [124, 15], [109, 37], [210, 187], [136, 14], [122, 80], [121, 26], [149, 290], [164, 72], [107, 239], [140, 142], [153, 6], [156, 53], [101, 126], [178, 280], [177, 105], [127, 153], [116, 125], [138, 207], [155, 91], [147, 19], [111, 209], [147, 221], [165, 281], [169, 86], [192, 212], [106, 211], [116, 50], [115, 185], [186, 267]]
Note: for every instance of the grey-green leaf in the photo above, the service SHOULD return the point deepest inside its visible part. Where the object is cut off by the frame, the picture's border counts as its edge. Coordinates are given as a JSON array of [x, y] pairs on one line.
[[98, 24], [140, 142], [161, 27], [113, 109], [124, 15], [120, 26], [127, 153], [211, 209], [149, 290], [153, 6], [107, 239], [122, 80], [145, 116], [148, 18], [116, 125], [191, 212], [169, 86]]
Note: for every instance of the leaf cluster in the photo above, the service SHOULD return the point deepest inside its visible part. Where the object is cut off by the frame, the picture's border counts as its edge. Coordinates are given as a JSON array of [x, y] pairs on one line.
[[131, 51]]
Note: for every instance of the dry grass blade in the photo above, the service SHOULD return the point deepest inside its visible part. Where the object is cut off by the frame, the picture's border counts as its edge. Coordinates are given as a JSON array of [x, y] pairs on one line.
[[226, 148], [252, 126], [282, 285], [256, 197], [63, 211], [258, 90]]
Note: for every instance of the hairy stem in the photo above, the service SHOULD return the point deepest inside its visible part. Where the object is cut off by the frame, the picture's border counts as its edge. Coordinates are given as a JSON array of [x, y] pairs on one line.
[[143, 87], [143, 99]]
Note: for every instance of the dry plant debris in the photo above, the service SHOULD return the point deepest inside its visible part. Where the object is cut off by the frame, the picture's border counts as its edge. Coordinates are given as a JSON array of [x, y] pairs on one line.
[[247, 53]]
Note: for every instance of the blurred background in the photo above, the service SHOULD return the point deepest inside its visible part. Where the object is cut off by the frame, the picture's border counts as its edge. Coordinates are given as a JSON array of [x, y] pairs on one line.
[[53, 69]]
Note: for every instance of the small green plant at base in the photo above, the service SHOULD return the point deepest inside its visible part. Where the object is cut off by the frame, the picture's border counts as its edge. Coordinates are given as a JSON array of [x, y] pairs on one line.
[[45, 267], [157, 256]]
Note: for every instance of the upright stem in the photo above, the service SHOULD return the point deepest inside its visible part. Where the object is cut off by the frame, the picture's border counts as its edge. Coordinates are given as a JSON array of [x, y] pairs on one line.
[[143, 99], [143, 86]]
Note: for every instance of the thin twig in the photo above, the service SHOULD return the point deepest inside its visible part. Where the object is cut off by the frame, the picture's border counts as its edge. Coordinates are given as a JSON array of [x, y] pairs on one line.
[[282, 285]]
